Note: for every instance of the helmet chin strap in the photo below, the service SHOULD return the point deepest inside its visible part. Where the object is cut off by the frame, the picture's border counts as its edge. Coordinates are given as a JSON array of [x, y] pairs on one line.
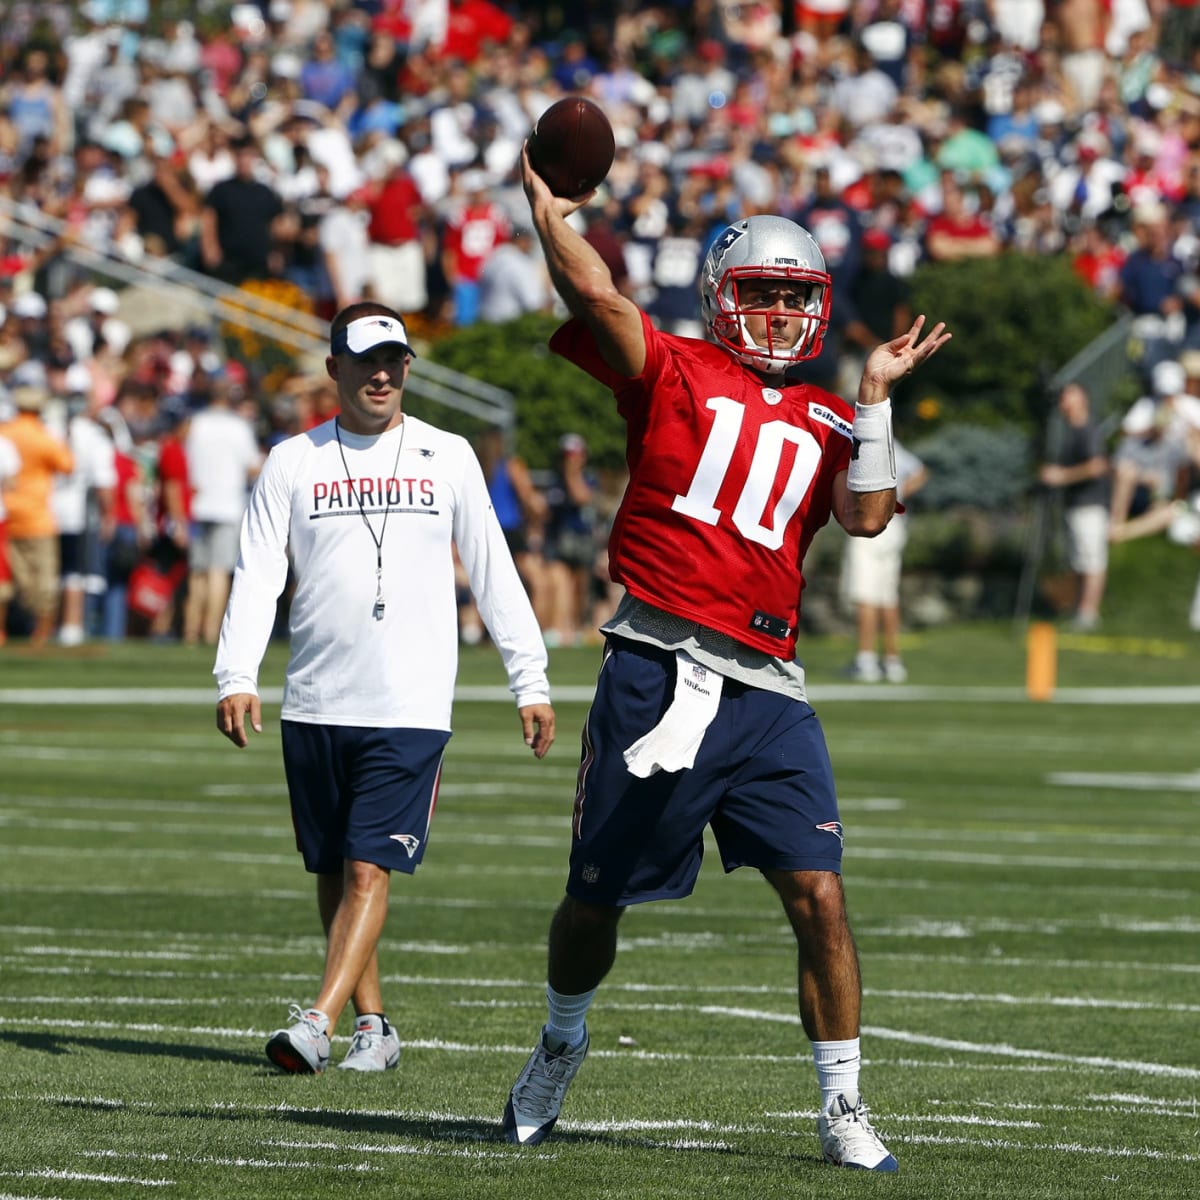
[[764, 358]]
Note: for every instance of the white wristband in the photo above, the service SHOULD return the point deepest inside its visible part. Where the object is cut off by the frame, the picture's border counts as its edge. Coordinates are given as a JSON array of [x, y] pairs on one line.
[[873, 459]]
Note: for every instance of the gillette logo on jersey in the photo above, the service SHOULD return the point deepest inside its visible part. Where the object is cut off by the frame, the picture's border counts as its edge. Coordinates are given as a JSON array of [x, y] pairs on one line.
[[341, 497]]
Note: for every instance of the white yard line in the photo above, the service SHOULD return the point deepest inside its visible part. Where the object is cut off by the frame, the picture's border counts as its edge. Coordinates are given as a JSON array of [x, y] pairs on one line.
[[994, 1049], [818, 694]]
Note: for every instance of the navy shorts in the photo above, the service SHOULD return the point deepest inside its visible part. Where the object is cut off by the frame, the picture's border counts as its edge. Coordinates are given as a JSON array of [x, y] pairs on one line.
[[361, 794], [762, 780]]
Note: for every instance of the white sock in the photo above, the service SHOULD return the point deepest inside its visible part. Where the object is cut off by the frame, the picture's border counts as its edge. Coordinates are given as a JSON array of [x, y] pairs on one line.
[[567, 1013], [866, 659], [837, 1066]]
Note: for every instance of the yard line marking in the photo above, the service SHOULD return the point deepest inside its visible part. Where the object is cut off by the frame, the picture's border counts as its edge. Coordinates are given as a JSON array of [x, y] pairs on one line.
[[1039, 964], [85, 1177], [996, 1049], [1133, 782], [819, 693], [450, 823], [921, 1139], [407, 1148], [210, 1160], [1014, 862], [918, 1118], [1003, 1050]]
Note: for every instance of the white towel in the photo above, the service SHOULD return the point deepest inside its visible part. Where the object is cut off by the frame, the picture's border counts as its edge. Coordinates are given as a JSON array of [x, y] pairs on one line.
[[672, 744]]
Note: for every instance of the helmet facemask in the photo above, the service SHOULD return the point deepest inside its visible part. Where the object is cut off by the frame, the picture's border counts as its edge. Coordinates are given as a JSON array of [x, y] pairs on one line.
[[785, 260]]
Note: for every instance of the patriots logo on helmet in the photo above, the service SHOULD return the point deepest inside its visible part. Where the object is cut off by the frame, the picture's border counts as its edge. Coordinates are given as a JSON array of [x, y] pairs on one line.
[[726, 240]]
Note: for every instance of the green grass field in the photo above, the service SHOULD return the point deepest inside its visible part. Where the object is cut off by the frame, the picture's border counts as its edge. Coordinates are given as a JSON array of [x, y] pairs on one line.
[[1023, 879]]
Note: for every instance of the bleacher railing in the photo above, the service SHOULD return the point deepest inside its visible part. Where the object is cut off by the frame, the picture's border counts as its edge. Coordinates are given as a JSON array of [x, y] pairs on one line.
[[290, 327]]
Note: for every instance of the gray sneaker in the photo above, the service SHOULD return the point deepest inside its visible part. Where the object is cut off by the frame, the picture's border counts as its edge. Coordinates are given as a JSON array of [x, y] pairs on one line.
[[370, 1048], [303, 1047], [536, 1098], [847, 1139]]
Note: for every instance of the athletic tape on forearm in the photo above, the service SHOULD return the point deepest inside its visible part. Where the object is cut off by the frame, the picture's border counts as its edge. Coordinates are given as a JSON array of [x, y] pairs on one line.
[[873, 459]]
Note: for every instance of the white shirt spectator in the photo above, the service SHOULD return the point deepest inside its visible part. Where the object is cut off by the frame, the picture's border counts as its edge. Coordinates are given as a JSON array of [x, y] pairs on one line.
[[431, 175], [342, 235], [511, 283], [222, 457], [450, 132], [95, 467], [866, 98]]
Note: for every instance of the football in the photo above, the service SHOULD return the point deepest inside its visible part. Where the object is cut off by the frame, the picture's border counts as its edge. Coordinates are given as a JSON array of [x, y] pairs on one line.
[[571, 146]]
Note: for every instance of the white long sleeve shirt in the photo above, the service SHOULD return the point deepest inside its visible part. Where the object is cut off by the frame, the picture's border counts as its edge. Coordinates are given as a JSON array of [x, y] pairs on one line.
[[346, 667]]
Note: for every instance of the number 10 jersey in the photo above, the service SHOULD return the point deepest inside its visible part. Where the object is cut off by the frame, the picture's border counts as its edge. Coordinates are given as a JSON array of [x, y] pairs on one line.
[[729, 481]]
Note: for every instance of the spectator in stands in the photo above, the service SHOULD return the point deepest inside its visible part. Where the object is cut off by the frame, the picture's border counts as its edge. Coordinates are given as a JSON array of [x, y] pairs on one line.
[[1151, 459], [130, 525], [521, 509], [83, 504], [161, 217], [513, 281], [673, 301], [35, 105], [883, 299], [473, 230], [1083, 26], [346, 247], [1150, 278], [100, 323], [571, 545], [1078, 469], [10, 465], [223, 460], [960, 230], [169, 550], [32, 532], [397, 231], [326, 80], [237, 221]]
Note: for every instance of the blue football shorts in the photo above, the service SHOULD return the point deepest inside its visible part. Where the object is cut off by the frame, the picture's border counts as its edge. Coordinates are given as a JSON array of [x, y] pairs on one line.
[[361, 794], [762, 780]]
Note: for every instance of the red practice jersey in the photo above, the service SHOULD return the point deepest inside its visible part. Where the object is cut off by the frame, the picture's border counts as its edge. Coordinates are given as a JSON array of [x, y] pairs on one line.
[[729, 480]]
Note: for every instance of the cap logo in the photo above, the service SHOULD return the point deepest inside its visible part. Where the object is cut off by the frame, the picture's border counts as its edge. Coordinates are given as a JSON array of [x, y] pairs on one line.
[[364, 334]]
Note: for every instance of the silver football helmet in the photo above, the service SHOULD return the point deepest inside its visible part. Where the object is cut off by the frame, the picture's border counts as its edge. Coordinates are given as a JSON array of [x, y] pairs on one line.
[[765, 248]]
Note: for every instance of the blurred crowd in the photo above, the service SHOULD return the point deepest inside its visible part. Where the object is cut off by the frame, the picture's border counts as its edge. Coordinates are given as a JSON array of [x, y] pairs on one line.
[[359, 148]]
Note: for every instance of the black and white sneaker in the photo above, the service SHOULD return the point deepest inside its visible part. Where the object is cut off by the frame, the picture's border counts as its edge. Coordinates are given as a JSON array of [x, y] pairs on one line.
[[303, 1047], [536, 1098]]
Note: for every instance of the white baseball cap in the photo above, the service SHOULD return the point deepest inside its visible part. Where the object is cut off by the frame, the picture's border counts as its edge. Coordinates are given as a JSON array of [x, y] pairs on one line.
[[104, 300], [30, 304], [365, 333], [1168, 378]]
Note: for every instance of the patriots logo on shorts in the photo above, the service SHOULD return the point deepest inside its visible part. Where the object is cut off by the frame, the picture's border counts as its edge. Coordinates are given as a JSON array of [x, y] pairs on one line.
[[834, 827], [407, 840]]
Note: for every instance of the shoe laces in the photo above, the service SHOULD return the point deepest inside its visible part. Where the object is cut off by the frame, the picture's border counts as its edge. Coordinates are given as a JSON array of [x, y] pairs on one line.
[[546, 1079], [365, 1039], [856, 1123], [303, 1016]]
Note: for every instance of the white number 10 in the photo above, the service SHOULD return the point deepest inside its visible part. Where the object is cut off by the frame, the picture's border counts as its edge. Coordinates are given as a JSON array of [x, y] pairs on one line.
[[700, 501]]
